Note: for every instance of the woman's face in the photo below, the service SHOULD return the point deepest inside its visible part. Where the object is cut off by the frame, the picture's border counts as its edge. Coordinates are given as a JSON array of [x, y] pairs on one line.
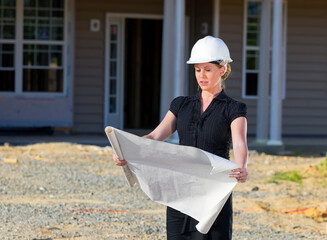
[[208, 76]]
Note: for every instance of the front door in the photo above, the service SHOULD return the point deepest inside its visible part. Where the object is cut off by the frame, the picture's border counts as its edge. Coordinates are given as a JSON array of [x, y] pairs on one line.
[[133, 71]]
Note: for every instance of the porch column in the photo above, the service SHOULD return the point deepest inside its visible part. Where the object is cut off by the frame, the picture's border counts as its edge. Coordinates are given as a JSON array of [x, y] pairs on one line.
[[179, 48], [263, 79], [276, 77], [167, 84], [216, 13]]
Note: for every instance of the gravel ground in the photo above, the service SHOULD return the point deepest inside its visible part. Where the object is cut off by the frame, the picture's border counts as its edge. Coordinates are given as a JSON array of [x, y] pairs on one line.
[[71, 191]]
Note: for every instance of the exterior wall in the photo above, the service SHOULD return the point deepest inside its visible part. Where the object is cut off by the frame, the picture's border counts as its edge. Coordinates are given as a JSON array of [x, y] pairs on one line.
[[90, 57], [305, 106]]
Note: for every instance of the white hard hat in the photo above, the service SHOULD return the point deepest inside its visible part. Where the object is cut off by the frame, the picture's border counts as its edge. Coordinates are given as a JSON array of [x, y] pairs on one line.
[[210, 49]]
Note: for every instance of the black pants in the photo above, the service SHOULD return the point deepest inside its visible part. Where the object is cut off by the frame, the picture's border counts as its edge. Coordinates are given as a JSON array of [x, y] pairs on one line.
[[182, 227]]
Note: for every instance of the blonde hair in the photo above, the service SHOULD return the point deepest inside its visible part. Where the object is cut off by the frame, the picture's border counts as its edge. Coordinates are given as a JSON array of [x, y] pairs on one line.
[[228, 71]]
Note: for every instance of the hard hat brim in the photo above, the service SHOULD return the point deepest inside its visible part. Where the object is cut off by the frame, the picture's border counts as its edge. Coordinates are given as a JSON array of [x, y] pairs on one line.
[[207, 60]]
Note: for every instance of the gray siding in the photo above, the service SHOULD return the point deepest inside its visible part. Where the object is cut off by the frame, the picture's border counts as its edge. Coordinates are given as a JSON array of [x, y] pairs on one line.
[[305, 105], [90, 57]]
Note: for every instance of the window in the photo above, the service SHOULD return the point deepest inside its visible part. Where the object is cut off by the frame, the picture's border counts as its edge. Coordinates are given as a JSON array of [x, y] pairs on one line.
[[7, 47], [38, 47], [252, 48], [113, 75]]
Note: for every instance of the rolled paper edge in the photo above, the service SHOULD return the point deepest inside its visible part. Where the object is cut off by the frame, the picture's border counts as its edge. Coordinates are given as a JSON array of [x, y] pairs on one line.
[[108, 129]]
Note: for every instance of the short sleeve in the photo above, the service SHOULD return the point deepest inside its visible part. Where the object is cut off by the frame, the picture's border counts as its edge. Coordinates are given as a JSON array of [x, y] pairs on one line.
[[237, 109], [176, 104]]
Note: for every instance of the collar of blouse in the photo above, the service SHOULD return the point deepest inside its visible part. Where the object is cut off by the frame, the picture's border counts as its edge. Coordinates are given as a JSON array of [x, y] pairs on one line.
[[220, 97]]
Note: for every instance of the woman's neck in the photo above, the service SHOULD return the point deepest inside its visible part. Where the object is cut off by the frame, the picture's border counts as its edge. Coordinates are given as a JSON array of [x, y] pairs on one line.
[[208, 95]]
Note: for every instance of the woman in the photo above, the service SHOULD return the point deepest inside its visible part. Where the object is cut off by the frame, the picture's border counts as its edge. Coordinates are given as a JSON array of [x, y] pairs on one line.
[[209, 121]]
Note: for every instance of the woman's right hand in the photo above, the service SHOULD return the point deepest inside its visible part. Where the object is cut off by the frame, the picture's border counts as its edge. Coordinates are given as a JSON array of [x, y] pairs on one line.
[[118, 161]]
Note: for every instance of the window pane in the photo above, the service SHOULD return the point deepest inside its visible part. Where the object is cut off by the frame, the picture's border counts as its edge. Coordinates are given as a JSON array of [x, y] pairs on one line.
[[44, 20], [253, 23], [42, 80], [8, 32], [6, 55], [7, 80], [57, 22], [254, 19], [113, 86], [43, 33], [29, 3], [254, 8], [42, 59], [29, 32], [253, 28], [112, 106], [57, 33], [28, 59], [58, 14], [9, 13], [43, 55], [28, 21], [9, 3], [113, 50], [113, 32], [7, 19], [251, 84], [56, 56], [252, 60], [252, 39], [29, 13], [58, 4], [7, 71], [7, 60], [43, 13], [113, 66], [7, 47], [44, 3]]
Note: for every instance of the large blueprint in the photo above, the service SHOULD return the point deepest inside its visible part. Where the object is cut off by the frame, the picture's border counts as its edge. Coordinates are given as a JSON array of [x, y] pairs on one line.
[[185, 178]]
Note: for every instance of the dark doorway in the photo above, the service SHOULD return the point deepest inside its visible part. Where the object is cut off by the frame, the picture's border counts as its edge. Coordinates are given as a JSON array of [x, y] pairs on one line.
[[143, 38]]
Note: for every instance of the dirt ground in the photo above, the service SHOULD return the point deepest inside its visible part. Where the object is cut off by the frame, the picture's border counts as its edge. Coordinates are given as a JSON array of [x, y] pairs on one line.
[[292, 206], [295, 207]]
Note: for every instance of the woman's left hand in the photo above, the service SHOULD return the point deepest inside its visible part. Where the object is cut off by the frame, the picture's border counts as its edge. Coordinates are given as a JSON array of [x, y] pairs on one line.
[[241, 174]]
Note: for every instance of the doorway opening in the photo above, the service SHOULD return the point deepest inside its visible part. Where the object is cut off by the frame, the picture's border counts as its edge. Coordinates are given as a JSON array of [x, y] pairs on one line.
[[142, 73]]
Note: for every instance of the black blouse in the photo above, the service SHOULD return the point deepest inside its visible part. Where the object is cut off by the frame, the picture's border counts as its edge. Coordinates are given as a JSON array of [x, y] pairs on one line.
[[211, 130]]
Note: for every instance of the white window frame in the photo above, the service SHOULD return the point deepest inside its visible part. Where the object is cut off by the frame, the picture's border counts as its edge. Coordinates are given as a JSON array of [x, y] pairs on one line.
[[257, 48], [18, 55]]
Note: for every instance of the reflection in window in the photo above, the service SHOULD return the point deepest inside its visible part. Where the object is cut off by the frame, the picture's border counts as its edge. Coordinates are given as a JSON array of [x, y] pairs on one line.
[[42, 55], [42, 80], [44, 20]]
